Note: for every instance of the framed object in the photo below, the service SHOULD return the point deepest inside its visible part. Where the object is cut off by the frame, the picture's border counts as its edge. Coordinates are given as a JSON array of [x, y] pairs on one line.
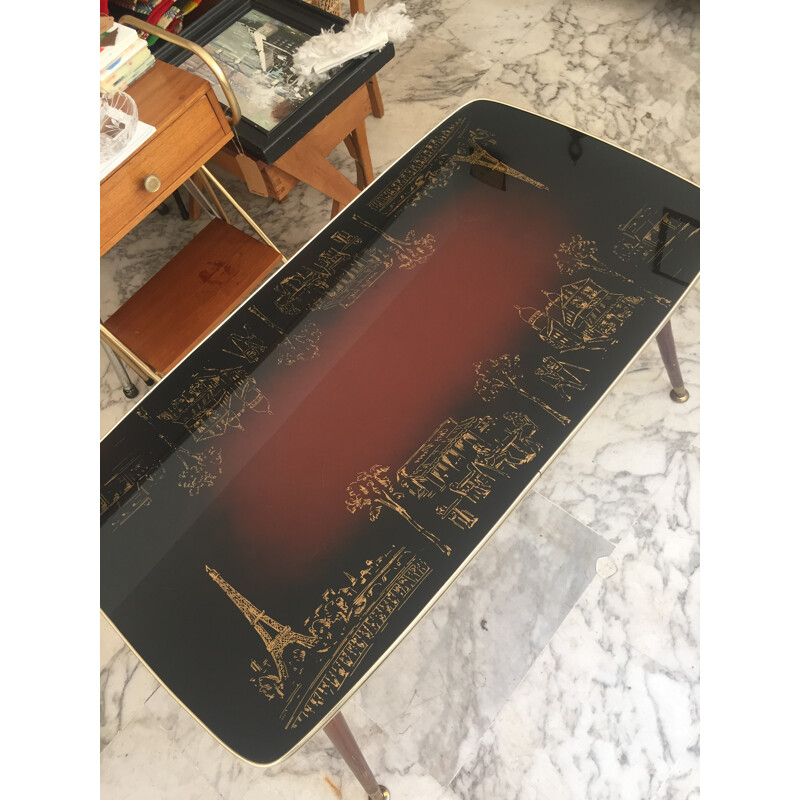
[[254, 41]]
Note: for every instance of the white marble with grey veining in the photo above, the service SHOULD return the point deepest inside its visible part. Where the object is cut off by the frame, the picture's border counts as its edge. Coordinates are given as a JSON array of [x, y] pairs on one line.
[[446, 682], [612, 704], [556, 681]]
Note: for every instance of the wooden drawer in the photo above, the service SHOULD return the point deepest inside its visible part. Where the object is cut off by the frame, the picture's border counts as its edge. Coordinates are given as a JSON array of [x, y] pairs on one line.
[[173, 153]]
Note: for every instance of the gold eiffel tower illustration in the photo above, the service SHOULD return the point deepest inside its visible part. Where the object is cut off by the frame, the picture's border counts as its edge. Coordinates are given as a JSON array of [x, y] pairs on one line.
[[482, 158], [264, 625]]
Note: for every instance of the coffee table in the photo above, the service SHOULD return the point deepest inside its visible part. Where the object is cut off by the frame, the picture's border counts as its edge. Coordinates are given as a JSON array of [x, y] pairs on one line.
[[282, 508]]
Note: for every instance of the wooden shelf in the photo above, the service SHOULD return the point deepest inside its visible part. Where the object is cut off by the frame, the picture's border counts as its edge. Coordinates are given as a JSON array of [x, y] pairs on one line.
[[193, 294]]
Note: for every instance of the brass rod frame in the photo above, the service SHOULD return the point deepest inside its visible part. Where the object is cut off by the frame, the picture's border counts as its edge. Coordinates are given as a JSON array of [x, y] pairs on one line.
[[121, 349], [212, 197], [233, 104], [200, 52], [194, 190], [205, 172]]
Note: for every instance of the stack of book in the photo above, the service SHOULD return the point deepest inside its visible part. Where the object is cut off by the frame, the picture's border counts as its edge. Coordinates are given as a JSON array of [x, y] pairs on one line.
[[124, 57]]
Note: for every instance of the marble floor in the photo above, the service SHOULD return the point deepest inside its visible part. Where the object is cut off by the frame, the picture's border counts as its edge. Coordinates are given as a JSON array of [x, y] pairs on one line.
[[577, 675]]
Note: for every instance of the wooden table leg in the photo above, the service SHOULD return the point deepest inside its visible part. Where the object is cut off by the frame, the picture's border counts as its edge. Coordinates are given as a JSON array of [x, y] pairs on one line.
[[357, 146], [339, 733], [666, 346], [313, 168], [375, 99]]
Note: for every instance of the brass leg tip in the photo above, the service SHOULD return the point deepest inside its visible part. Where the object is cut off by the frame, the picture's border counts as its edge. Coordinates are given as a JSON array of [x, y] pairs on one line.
[[679, 395], [381, 794]]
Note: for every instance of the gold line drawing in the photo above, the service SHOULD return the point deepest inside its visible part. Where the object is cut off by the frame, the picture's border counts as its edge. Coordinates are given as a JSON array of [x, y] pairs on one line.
[[426, 472], [132, 476], [363, 610], [364, 272], [371, 264], [649, 234], [561, 376], [340, 632], [296, 291], [246, 345], [466, 459], [411, 251], [215, 401], [505, 372], [373, 489], [299, 345], [200, 470], [580, 316], [276, 637], [431, 165], [480, 157], [580, 254], [517, 447], [264, 318]]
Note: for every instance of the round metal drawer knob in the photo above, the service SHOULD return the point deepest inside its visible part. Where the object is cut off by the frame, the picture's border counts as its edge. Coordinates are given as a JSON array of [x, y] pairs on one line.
[[152, 183]]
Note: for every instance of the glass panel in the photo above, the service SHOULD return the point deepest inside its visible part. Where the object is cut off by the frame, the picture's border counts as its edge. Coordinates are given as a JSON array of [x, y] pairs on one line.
[[255, 53]]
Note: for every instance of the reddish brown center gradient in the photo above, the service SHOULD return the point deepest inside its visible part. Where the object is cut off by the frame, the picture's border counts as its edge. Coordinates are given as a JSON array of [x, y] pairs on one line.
[[391, 368]]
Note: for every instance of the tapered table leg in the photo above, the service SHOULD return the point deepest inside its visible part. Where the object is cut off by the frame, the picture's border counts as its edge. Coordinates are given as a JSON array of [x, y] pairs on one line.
[[339, 733], [666, 346]]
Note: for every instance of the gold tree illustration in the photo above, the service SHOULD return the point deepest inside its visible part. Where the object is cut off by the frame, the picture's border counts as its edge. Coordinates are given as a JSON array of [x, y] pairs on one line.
[[373, 489], [580, 254], [496, 374]]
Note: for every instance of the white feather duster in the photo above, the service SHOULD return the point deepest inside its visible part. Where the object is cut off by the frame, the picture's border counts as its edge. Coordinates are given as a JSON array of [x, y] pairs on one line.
[[363, 34]]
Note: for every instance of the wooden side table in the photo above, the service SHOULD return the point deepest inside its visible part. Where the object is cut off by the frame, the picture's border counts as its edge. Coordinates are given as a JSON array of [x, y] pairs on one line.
[[182, 303], [190, 127]]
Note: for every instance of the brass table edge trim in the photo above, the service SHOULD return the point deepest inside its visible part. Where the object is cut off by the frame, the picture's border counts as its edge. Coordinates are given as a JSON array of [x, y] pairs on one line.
[[571, 127]]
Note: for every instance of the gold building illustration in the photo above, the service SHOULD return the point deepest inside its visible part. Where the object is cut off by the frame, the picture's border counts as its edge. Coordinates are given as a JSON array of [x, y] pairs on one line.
[[363, 273], [430, 166], [461, 462], [302, 344], [580, 316], [650, 233], [427, 471], [434, 164], [297, 291], [276, 637], [306, 671], [408, 252], [482, 159], [215, 402]]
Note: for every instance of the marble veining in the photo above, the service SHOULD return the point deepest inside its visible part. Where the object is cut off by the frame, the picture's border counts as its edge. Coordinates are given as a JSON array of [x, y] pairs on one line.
[[534, 676], [612, 703], [453, 673]]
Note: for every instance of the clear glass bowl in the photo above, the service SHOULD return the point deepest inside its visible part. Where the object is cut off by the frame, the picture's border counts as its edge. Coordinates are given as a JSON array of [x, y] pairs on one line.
[[118, 119]]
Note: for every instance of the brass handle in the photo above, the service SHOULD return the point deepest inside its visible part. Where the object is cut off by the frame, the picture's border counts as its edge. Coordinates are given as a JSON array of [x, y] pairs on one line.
[[152, 183], [200, 52]]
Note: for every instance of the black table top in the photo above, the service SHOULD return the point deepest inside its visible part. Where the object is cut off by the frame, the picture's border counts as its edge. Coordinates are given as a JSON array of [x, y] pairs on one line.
[[281, 509]]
